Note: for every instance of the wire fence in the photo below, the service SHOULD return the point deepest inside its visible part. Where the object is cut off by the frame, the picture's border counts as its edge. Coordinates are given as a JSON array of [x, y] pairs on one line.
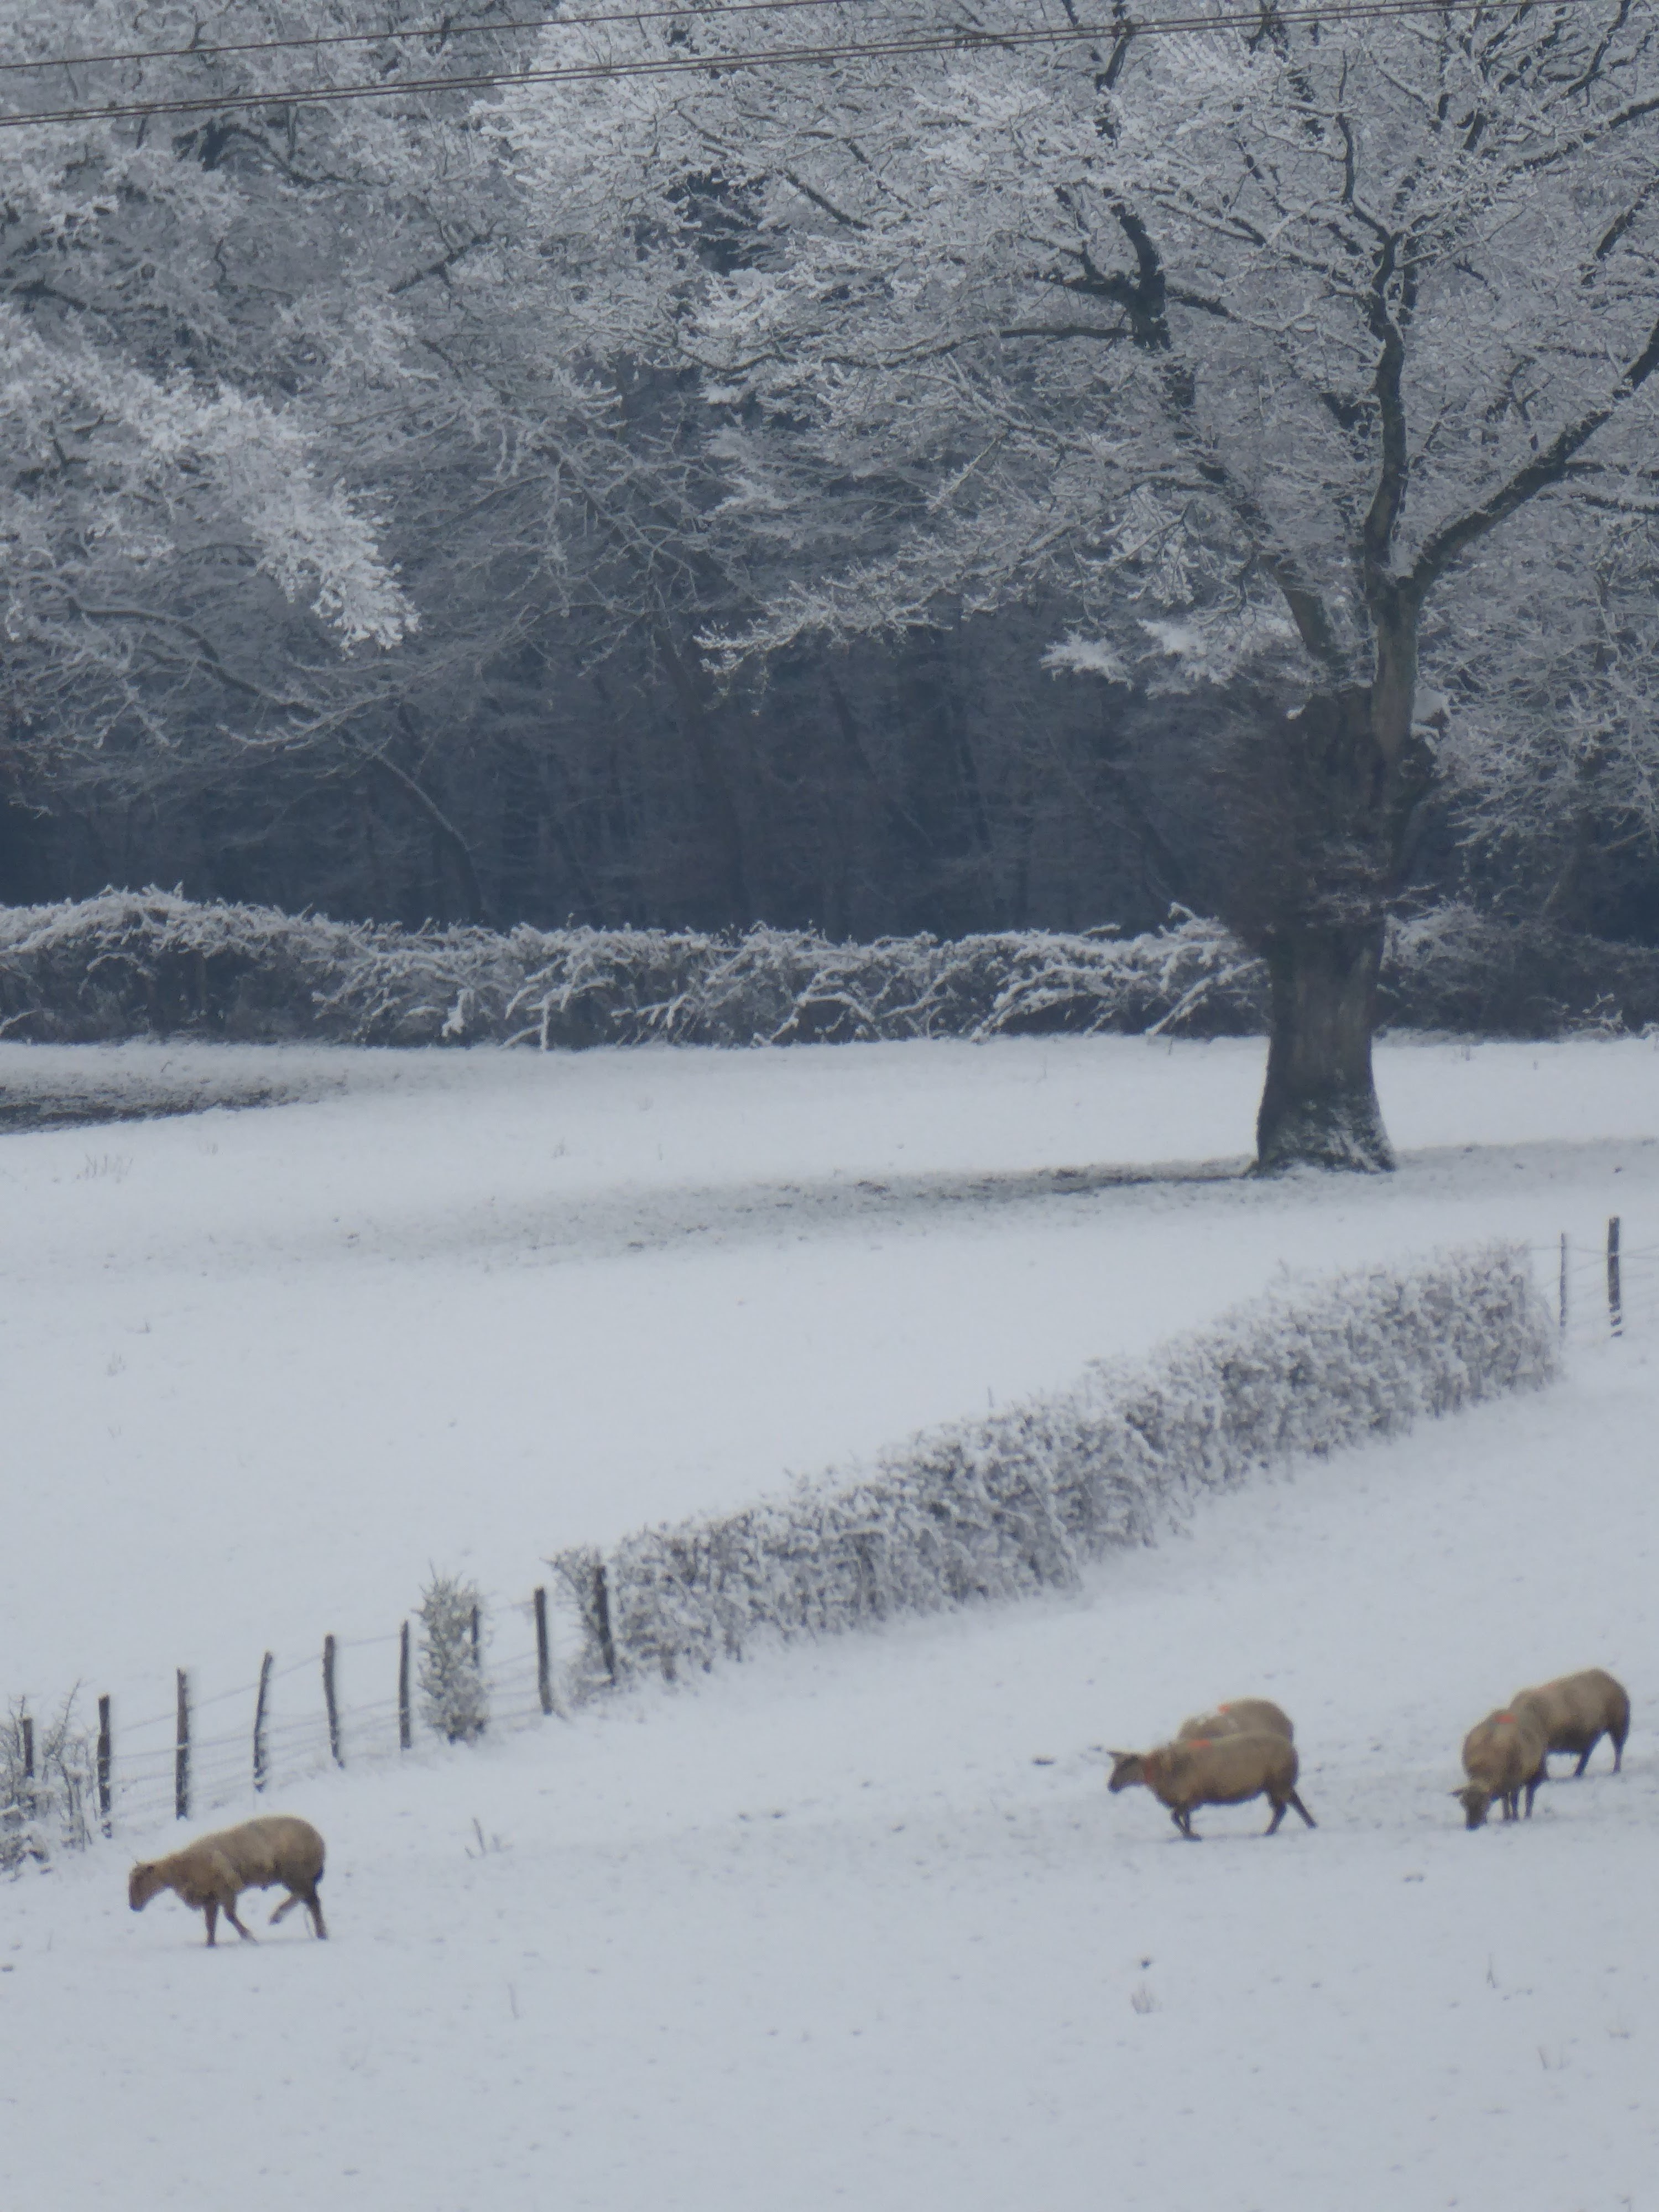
[[357, 1703], [1603, 1291]]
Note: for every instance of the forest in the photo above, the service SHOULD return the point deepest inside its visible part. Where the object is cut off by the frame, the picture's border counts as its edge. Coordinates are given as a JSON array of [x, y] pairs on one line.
[[964, 468]]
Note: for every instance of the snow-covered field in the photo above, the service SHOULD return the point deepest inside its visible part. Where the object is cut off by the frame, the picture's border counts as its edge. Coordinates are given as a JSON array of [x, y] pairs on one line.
[[819, 1930]]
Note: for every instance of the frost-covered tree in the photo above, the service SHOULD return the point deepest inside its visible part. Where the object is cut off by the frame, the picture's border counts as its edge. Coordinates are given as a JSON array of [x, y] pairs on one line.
[[1553, 758], [454, 1695], [177, 338], [1260, 336], [221, 383], [288, 387]]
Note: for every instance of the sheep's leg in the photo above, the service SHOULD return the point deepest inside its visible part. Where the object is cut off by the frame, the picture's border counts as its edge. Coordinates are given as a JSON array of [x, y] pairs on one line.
[[1532, 1791], [246, 1933], [1183, 1817], [312, 1903], [1618, 1742], [1585, 1756], [1278, 1804], [1292, 1799], [211, 1912]]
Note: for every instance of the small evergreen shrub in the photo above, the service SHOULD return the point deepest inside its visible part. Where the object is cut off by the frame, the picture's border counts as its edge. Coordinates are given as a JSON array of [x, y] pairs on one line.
[[454, 1694]]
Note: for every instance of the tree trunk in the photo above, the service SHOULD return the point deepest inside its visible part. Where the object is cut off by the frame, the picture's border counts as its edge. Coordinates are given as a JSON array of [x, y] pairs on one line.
[[1321, 803], [1319, 1106]]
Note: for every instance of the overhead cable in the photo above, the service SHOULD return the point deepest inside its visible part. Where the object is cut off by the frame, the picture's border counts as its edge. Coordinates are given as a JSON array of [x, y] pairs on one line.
[[956, 42]]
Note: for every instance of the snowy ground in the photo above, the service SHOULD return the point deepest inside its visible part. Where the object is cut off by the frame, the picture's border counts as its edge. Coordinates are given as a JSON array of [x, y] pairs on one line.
[[265, 1366], [819, 1930]]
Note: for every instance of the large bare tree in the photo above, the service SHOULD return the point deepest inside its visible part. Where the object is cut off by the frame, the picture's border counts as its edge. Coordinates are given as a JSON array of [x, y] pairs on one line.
[[1268, 333]]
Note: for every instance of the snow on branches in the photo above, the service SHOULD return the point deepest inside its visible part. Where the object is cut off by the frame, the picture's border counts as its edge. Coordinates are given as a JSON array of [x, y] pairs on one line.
[[116, 469], [48, 1778], [1327, 304]]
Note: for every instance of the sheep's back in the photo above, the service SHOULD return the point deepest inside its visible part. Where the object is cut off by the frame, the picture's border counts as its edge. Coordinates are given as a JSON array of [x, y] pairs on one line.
[[1574, 1709], [274, 1847], [1239, 1716]]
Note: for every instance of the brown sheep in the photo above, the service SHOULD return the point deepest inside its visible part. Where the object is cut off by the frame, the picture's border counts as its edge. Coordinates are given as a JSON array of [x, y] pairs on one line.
[[1240, 1716], [209, 1875], [1226, 1770], [1502, 1755], [1576, 1711]]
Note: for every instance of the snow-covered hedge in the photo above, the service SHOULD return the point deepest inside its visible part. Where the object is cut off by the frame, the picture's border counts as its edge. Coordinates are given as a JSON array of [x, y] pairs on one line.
[[1018, 1501], [154, 964], [1454, 969]]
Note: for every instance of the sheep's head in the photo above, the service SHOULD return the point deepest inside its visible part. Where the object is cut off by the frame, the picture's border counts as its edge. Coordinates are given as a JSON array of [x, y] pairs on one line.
[[1128, 1769], [142, 1883], [1474, 1797]]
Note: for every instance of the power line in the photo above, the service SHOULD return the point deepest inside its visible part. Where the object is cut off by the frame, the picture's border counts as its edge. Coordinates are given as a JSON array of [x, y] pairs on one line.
[[956, 42], [442, 31]]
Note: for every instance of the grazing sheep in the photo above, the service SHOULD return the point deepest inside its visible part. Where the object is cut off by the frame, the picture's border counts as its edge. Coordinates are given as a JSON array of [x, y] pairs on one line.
[[210, 1874], [1502, 1755], [1240, 1716], [1226, 1770], [1576, 1711]]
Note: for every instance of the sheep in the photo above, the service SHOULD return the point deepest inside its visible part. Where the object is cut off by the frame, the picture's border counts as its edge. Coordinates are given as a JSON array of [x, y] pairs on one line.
[[1576, 1711], [1240, 1717], [1502, 1755], [1226, 1770], [209, 1875]]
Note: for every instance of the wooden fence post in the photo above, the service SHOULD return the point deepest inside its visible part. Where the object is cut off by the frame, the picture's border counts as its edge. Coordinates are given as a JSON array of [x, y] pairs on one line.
[[478, 1657], [1615, 1299], [181, 1752], [1562, 1292], [329, 1700], [544, 1660], [405, 1733], [261, 1763], [602, 1620], [104, 1761], [27, 1727]]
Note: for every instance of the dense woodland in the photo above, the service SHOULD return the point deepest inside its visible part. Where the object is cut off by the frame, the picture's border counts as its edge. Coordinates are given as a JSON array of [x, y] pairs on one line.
[[946, 783], [1000, 482]]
